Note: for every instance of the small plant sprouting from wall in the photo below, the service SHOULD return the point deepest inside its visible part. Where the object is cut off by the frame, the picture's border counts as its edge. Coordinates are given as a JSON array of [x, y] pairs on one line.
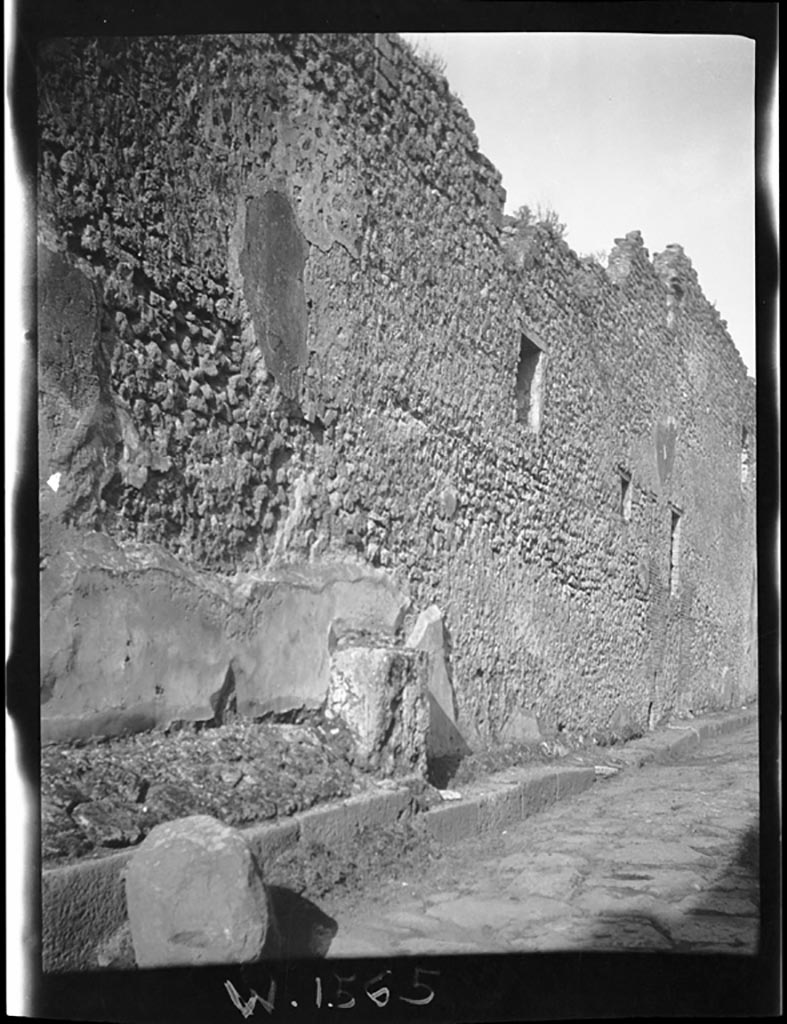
[[527, 217], [428, 57], [598, 256]]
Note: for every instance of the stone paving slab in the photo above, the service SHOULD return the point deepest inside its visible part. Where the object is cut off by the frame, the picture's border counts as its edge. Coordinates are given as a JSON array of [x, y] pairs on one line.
[[657, 859]]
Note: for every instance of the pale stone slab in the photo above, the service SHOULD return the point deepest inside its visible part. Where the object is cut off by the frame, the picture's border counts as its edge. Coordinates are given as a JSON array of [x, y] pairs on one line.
[[379, 693], [428, 635]]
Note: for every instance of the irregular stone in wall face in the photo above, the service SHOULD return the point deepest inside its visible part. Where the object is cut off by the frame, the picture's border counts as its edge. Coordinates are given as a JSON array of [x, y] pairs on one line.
[[675, 270], [521, 727], [624, 723], [380, 693], [271, 263], [67, 328], [78, 428], [448, 501], [195, 895]]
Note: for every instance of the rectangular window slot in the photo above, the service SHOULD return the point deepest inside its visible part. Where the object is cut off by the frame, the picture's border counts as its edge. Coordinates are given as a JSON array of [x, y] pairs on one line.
[[529, 384], [674, 552], [625, 495]]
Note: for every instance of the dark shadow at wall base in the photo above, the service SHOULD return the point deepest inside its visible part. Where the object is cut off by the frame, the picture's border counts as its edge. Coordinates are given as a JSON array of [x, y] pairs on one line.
[[440, 770]]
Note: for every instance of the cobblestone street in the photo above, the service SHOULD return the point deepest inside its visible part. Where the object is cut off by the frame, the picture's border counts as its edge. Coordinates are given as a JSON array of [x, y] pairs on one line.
[[662, 858]]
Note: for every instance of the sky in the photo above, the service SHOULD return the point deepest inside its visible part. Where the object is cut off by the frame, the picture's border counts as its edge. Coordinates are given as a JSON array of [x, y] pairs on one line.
[[622, 132]]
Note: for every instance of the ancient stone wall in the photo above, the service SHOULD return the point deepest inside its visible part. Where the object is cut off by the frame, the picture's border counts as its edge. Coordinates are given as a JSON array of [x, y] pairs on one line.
[[284, 319]]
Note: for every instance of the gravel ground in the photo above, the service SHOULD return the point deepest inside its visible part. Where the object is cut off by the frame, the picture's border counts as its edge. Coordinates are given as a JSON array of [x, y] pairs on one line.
[[99, 796]]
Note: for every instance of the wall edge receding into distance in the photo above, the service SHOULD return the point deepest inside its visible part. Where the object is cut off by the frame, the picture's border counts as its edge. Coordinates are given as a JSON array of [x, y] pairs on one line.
[[281, 320]]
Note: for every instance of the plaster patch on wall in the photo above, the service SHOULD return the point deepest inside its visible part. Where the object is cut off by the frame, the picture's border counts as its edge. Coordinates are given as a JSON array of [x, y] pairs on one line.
[[296, 519], [271, 264]]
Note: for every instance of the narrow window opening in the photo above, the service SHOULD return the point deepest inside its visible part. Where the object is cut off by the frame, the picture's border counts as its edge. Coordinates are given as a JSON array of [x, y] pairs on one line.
[[529, 381], [625, 495], [674, 554], [744, 455]]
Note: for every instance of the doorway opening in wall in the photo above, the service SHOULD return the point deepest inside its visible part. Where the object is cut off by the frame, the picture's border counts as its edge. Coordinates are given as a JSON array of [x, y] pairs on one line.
[[744, 455], [674, 552], [529, 384], [625, 495]]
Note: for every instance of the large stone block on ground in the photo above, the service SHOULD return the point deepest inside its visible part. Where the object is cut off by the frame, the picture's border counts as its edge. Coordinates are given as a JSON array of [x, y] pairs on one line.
[[444, 738], [294, 609], [380, 693], [132, 639], [195, 895]]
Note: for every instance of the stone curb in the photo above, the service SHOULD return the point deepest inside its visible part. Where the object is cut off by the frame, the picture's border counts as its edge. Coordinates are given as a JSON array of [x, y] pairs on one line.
[[504, 798], [678, 739], [83, 905], [516, 794]]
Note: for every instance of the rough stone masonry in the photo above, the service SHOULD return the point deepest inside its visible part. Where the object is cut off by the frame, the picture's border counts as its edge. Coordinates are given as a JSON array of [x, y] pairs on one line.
[[283, 322]]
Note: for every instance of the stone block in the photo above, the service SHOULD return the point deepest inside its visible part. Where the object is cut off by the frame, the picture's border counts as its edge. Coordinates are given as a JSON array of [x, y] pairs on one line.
[[449, 823], [384, 46], [521, 727], [195, 896], [270, 840], [624, 724], [383, 84], [78, 429], [380, 693], [539, 791], [331, 825], [335, 825], [292, 615], [117, 951], [132, 639], [428, 635], [571, 781], [500, 807], [378, 808], [82, 905], [389, 71]]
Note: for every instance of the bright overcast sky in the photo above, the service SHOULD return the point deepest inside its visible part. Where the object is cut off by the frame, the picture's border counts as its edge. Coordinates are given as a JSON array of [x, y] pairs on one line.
[[621, 132]]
